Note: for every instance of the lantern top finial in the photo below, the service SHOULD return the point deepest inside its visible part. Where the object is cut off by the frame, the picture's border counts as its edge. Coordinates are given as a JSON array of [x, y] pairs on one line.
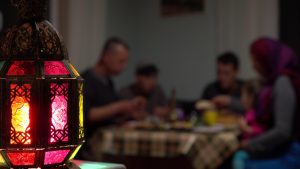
[[33, 38], [31, 9]]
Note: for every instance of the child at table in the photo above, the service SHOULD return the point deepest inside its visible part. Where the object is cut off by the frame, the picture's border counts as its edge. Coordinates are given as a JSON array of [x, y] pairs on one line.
[[250, 125]]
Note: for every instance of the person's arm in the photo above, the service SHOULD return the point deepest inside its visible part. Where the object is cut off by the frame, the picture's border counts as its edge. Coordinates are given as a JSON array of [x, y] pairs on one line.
[[284, 108], [161, 99], [108, 111], [125, 94], [161, 109], [236, 106], [208, 92], [231, 103]]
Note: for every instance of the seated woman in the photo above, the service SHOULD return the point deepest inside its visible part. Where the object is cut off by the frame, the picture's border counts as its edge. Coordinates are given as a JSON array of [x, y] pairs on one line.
[[278, 108]]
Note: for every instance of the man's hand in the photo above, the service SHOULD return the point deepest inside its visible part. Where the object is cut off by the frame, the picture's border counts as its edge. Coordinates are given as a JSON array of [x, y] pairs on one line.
[[140, 103], [222, 101], [244, 144], [244, 127], [126, 106], [162, 113], [134, 108]]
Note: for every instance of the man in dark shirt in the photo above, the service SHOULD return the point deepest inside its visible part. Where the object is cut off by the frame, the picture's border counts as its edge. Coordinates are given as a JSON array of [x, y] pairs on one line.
[[102, 106], [226, 90], [146, 86]]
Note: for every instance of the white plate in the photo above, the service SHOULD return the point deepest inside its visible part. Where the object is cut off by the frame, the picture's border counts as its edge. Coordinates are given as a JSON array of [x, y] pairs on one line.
[[209, 129]]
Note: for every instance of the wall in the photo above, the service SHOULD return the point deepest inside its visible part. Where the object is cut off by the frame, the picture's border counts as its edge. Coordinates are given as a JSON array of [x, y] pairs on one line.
[[183, 47], [289, 23], [7, 15], [82, 24], [240, 22], [177, 45], [122, 19], [1, 21]]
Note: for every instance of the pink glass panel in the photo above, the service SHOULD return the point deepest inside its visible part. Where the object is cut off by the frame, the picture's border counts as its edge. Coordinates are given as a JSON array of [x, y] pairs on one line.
[[55, 68], [55, 157], [21, 68], [59, 106], [19, 159]]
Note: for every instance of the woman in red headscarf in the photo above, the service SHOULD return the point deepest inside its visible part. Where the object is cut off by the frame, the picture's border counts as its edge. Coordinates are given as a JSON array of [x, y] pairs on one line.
[[277, 109]]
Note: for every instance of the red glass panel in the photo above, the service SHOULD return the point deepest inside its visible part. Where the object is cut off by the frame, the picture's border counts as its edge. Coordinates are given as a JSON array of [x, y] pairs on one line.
[[20, 159], [20, 111], [21, 68], [59, 110], [55, 68], [55, 157]]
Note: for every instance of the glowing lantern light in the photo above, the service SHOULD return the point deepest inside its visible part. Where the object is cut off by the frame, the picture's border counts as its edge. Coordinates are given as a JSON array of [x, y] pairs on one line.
[[41, 105]]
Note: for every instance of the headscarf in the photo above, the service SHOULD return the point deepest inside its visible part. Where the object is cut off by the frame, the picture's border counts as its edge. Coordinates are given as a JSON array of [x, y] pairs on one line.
[[275, 59]]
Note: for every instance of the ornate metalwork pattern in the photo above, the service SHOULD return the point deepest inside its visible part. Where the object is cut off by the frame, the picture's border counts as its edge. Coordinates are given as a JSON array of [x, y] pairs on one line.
[[20, 112], [23, 42], [33, 9], [81, 129], [29, 41], [42, 122], [5, 47], [19, 42], [59, 110], [51, 43]]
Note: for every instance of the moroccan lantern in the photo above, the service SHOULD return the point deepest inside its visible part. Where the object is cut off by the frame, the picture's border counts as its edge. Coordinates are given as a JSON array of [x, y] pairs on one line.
[[41, 101]]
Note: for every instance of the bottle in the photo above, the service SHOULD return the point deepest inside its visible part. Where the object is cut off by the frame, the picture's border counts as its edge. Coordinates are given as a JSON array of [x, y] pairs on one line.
[[172, 105]]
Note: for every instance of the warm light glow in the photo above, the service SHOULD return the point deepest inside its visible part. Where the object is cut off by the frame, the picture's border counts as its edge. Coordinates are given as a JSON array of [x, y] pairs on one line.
[[59, 114], [59, 111], [20, 114], [20, 117], [19, 159], [55, 68], [55, 157], [81, 134]]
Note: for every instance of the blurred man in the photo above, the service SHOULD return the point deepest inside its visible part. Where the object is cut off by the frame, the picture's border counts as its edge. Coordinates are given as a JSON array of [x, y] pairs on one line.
[[146, 86], [226, 90], [102, 106]]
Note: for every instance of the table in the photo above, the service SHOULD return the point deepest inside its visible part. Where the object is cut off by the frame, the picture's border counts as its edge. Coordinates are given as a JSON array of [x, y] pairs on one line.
[[78, 164], [205, 151]]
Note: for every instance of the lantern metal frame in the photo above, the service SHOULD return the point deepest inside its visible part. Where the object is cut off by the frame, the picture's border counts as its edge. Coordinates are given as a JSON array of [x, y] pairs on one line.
[[35, 40]]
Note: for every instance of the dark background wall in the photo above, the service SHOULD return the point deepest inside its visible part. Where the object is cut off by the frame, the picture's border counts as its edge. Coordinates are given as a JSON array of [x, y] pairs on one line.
[[290, 23], [8, 12]]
